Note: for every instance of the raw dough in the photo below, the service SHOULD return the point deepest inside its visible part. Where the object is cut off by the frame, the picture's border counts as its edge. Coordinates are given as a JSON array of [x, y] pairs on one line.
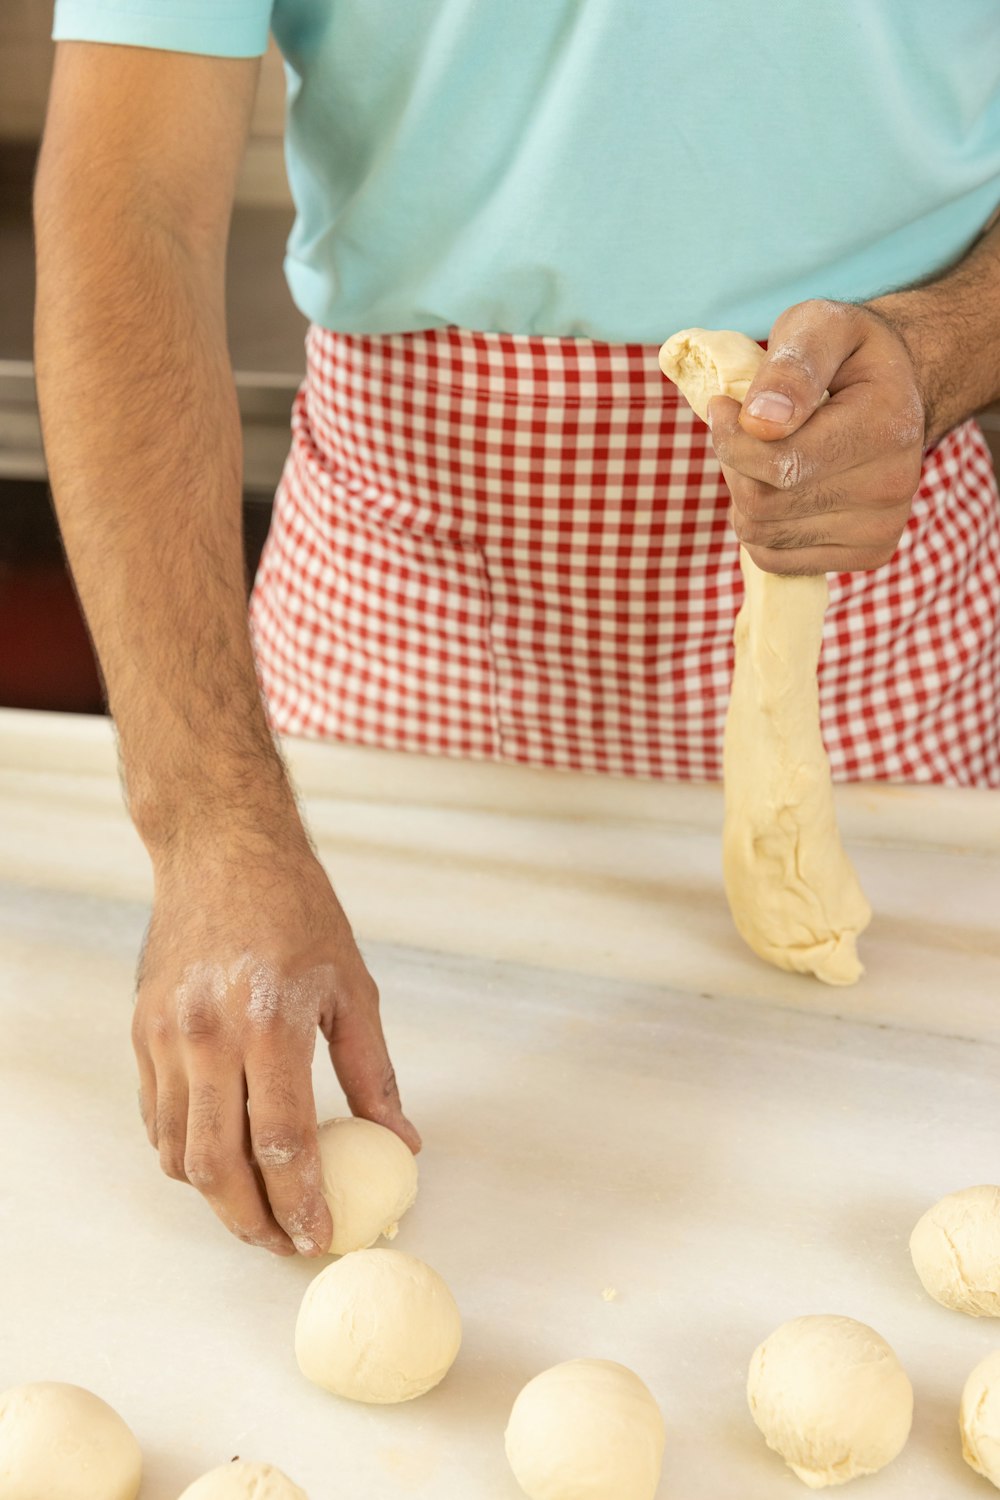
[[369, 1181], [244, 1481], [61, 1442], [586, 1428], [792, 891], [377, 1326], [956, 1251], [979, 1419], [831, 1397]]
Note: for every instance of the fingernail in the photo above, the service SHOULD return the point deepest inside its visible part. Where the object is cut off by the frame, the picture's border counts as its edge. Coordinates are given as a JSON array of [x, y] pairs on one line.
[[304, 1245], [771, 406]]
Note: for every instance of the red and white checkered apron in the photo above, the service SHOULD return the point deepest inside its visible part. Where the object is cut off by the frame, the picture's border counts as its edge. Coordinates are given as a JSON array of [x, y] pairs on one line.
[[517, 548]]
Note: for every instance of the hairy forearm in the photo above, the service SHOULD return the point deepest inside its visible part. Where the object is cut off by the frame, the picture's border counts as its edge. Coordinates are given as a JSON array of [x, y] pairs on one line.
[[951, 327], [143, 444]]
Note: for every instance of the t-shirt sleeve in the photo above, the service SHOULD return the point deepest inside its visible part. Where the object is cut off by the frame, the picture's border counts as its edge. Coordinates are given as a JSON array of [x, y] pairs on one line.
[[218, 28]]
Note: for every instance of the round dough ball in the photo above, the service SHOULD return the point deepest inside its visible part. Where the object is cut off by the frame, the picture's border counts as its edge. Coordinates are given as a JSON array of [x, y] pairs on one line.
[[244, 1481], [831, 1397], [979, 1419], [956, 1251], [369, 1181], [586, 1428], [65, 1443], [377, 1326]]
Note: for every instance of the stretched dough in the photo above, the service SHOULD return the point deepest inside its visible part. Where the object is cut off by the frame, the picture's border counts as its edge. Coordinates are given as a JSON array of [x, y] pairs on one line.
[[792, 890]]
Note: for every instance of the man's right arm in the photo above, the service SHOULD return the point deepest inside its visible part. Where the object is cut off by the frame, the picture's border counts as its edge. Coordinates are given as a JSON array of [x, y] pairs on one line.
[[248, 949], [142, 437]]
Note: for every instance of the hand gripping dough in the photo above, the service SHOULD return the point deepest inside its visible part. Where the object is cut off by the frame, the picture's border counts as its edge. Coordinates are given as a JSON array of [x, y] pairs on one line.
[[377, 1326], [979, 1419], [792, 891], [369, 1181], [587, 1428], [60, 1442], [831, 1397], [244, 1481], [956, 1251]]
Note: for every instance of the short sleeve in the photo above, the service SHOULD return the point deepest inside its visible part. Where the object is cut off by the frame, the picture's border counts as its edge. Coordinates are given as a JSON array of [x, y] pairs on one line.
[[217, 28]]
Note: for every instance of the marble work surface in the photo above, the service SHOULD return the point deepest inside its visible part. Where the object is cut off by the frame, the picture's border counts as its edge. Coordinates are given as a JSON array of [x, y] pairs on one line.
[[612, 1092]]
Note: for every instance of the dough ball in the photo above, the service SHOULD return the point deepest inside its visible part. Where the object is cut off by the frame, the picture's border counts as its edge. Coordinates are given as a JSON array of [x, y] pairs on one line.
[[369, 1181], [586, 1428], [831, 1397], [979, 1419], [244, 1481], [65, 1443], [956, 1251], [377, 1326]]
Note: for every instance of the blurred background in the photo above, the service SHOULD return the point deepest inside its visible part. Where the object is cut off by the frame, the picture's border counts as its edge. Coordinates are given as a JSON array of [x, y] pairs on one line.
[[45, 656]]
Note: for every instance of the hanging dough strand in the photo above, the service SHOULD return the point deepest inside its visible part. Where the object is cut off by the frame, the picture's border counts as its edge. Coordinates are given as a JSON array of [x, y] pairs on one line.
[[792, 890]]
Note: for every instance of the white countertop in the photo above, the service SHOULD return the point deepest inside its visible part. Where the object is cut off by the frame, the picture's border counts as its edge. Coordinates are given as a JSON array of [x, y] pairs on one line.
[[611, 1090]]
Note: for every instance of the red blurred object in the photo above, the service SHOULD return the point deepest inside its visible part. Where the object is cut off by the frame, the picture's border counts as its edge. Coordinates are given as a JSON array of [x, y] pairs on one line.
[[46, 660]]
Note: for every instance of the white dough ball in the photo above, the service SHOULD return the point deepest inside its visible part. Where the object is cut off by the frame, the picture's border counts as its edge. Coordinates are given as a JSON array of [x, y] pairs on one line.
[[586, 1430], [241, 1480], [377, 1326], [831, 1397], [369, 1181], [60, 1442], [956, 1251], [979, 1419]]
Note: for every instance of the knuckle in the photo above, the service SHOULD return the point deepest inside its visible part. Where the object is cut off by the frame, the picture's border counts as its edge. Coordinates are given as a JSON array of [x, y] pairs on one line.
[[197, 1017], [789, 469], [754, 499], [278, 1146], [172, 1162], [746, 529], [204, 1170], [159, 1029], [259, 1239]]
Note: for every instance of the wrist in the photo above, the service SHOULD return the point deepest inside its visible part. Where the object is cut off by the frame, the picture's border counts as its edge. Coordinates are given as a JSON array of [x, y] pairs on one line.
[[915, 324], [247, 807]]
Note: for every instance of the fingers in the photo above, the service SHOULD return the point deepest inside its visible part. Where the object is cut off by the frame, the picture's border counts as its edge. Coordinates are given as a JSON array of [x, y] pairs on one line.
[[284, 1139], [361, 1061], [874, 533], [217, 1157], [845, 435], [807, 346]]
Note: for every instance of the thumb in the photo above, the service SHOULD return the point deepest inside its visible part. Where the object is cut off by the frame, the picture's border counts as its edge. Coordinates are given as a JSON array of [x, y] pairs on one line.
[[807, 346]]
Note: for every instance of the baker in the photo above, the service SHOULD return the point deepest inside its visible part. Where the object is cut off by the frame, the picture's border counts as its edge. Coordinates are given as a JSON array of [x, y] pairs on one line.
[[500, 533]]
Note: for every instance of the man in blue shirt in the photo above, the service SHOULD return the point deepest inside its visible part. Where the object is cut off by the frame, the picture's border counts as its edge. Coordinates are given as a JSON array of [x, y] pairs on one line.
[[600, 171]]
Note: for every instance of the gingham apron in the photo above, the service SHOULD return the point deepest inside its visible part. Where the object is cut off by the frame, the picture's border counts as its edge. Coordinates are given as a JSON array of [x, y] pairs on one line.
[[517, 548]]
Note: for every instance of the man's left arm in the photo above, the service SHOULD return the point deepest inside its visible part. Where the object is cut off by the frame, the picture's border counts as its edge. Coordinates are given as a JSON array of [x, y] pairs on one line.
[[828, 488]]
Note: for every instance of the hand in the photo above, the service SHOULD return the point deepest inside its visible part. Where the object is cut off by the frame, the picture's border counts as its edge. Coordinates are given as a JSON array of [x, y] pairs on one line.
[[247, 953], [824, 488]]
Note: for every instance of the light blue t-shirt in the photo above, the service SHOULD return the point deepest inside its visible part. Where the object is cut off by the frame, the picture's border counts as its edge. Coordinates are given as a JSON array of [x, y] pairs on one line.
[[610, 168]]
